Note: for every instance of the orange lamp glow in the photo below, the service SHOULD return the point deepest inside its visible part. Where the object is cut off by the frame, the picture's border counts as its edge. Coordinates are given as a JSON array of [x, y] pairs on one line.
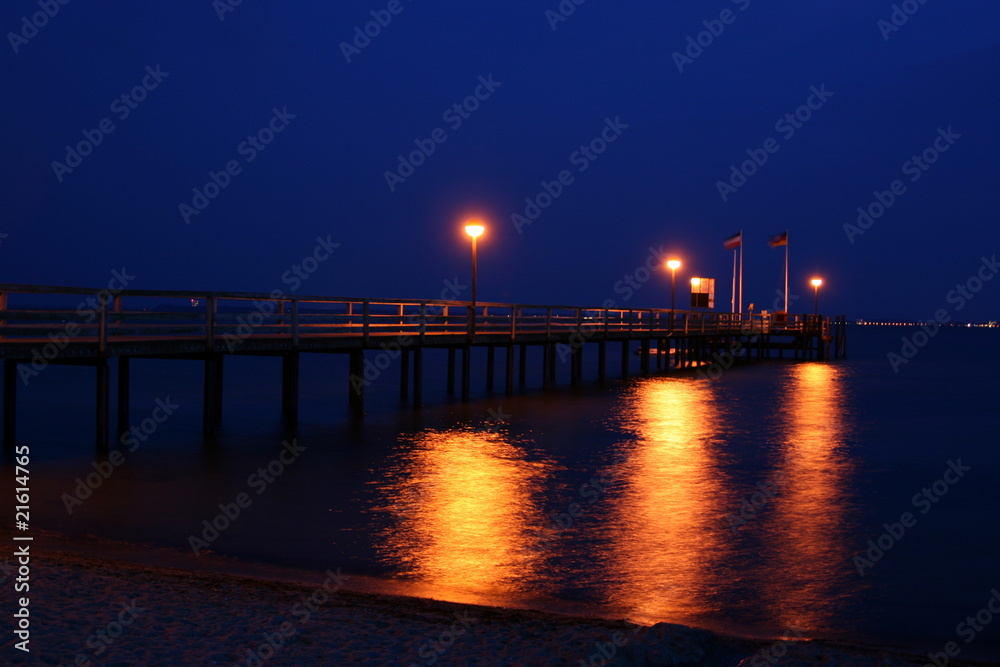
[[673, 264], [475, 229], [816, 282]]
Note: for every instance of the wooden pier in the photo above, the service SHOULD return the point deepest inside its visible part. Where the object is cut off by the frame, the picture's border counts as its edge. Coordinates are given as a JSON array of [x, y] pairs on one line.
[[41, 325]]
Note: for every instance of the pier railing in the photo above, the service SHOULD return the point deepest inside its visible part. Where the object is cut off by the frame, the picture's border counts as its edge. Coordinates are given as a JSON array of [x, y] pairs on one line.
[[64, 314]]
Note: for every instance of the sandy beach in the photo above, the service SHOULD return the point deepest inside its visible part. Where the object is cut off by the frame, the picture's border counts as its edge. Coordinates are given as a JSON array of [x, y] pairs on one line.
[[94, 602]]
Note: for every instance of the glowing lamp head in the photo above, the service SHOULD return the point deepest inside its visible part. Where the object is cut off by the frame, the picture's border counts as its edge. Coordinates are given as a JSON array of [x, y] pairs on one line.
[[816, 282], [673, 264], [695, 282], [475, 229]]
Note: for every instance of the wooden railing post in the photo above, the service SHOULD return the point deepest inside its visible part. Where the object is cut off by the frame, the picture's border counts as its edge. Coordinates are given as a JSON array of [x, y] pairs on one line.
[[513, 323], [423, 321], [102, 325], [118, 309], [365, 321], [295, 322], [210, 305], [548, 323]]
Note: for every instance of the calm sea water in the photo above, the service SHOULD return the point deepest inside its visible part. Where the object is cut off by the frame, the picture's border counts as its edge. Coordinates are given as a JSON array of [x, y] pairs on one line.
[[641, 498]]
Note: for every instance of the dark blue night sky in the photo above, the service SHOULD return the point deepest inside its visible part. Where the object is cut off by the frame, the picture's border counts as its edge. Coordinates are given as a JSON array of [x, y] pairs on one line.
[[546, 88]]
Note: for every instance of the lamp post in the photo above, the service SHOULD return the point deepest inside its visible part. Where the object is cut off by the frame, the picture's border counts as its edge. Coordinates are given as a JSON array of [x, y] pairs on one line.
[[816, 282], [474, 229], [673, 265]]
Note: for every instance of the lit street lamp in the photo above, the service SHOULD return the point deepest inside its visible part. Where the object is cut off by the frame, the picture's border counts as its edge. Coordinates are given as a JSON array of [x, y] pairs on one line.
[[816, 282], [474, 229], [673, 265]]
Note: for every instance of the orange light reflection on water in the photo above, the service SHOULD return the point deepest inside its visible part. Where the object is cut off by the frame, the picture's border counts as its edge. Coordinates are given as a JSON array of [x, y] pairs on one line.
[[666, 526], [465, 513], [806, 546]]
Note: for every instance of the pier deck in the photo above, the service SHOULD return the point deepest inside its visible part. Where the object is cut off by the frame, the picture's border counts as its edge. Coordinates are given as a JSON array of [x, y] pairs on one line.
[[41, 325]]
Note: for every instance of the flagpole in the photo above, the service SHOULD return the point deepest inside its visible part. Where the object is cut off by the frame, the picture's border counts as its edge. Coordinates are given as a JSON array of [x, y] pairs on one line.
[[786, 272], [732, 301], [741, 271]]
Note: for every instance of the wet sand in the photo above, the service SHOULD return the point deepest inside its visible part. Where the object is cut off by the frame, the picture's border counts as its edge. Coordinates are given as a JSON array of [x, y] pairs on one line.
[[96, 602]]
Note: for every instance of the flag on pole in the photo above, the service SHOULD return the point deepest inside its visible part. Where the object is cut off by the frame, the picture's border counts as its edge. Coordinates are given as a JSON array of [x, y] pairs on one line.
[[778, 240], [734, 241]]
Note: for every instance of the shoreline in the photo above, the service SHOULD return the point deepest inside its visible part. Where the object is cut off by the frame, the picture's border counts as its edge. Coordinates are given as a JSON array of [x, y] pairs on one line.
[[230, 612]]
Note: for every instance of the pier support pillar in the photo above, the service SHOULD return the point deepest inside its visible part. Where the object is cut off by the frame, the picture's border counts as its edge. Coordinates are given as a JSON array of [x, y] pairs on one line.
[[509, 376], [602, 358], [212, 394], [490, 366], [522, 361], [404, 374], [554, 348], [124, 380], [451, 371], [356, 383], [625, 353], [576, 365], [290, 387], [9, 403], [466, 371], [418, 377], [103, 416], [546, 353]]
